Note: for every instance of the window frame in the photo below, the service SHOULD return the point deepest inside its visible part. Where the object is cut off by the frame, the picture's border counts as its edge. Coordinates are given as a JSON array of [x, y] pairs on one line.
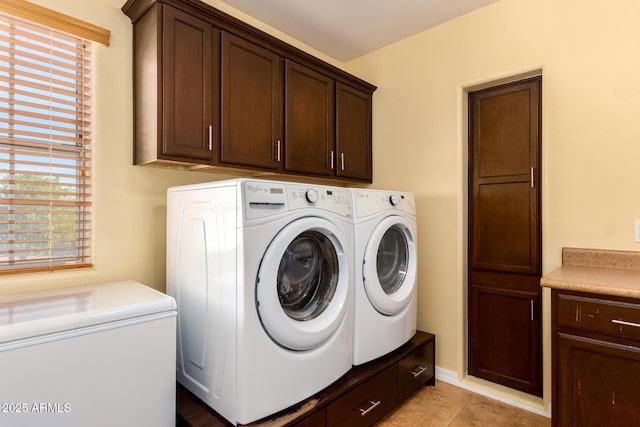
[[37, 203]]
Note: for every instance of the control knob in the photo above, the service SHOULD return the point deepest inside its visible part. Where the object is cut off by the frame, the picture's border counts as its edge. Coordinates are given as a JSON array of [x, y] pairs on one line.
[[393, 199], [311, 196]]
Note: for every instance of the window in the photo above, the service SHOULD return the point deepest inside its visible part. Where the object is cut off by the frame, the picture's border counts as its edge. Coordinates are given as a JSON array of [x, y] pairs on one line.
[[45, 147]]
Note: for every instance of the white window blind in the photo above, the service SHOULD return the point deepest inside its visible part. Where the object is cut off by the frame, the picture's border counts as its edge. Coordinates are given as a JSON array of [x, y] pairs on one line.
[[45, 148]]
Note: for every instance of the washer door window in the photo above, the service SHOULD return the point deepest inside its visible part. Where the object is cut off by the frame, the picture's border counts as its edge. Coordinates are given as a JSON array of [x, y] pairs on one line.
[[303, 284], [307, 276], [389, 268]]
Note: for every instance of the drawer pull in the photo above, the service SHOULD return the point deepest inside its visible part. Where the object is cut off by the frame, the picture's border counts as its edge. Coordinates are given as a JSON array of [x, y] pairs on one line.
[[418, 370], [374, 405], [622, 322]]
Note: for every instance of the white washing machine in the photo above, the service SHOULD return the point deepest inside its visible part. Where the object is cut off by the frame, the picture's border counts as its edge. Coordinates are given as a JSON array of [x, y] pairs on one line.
[[262, 273], [385, 312]]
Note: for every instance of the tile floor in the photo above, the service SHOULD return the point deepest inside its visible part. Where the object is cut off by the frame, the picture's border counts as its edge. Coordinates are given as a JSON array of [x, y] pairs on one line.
[[450, 406]]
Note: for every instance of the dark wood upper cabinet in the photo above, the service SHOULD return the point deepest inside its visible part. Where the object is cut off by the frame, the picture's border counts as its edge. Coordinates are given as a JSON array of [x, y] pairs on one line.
[[309, 121], [251, 104], [213, 91], [189, 83], [177, 117], [353, 133]]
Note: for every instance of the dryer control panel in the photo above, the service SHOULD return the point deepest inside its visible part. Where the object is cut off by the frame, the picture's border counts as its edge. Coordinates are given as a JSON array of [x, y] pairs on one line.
[[370, 202]]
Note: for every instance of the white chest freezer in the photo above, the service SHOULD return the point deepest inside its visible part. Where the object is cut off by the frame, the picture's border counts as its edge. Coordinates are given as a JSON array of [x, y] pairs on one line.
[[96, 355]]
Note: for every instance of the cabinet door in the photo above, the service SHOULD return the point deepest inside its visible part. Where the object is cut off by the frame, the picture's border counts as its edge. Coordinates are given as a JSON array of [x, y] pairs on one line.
[[309, 121], [251, 104], [353, 133], [505, 235], [506, 336], [598, 383], [189, 86]]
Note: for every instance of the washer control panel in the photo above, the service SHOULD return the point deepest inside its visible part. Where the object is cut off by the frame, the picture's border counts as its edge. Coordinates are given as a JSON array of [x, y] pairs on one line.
[[266, 198], [263, 198], [332, 199], [312, 196]]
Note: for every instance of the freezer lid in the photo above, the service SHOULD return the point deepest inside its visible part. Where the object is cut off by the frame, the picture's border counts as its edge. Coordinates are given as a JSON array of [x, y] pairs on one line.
[[31, 314]]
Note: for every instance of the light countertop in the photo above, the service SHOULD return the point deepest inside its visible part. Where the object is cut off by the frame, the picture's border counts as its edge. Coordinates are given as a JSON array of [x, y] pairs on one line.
[[598, 271]]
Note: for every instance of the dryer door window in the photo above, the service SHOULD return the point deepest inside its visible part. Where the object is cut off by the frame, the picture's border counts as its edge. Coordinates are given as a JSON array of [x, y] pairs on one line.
[[307, 276], [302, 288], [389, 265], [393, 259]]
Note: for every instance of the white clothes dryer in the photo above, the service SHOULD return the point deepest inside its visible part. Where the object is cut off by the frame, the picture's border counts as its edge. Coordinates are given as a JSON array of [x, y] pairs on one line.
[[385, 248], [261, 272]]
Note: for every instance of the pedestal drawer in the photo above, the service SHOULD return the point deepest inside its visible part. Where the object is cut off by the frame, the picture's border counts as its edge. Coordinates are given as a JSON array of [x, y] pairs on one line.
[[367, 403], [415, 370]]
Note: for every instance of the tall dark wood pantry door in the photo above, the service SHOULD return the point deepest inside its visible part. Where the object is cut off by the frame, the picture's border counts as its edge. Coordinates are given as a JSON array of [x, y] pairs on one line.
[[504, 296]]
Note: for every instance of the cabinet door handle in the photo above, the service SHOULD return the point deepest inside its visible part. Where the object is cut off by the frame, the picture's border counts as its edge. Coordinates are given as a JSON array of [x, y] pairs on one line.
[[418, 370], [342, 161], [622, 322], [532, 182], [331, 159], [210, 137], [374, 405], [278, 150], [531, 305]]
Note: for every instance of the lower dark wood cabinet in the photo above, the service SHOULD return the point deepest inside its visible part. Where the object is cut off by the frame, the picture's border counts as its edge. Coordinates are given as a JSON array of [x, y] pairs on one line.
[[363, 396], [598, 380], [595, 360]]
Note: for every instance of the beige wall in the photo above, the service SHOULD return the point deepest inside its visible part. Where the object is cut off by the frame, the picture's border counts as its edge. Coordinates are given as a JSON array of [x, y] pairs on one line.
[[588, 53], [591, 141]]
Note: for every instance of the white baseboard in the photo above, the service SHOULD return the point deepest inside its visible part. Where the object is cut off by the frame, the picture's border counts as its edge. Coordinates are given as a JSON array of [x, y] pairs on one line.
[[451, 377]]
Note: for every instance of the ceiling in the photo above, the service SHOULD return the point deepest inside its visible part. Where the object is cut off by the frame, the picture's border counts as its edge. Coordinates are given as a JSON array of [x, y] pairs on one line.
[[347, 29]]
